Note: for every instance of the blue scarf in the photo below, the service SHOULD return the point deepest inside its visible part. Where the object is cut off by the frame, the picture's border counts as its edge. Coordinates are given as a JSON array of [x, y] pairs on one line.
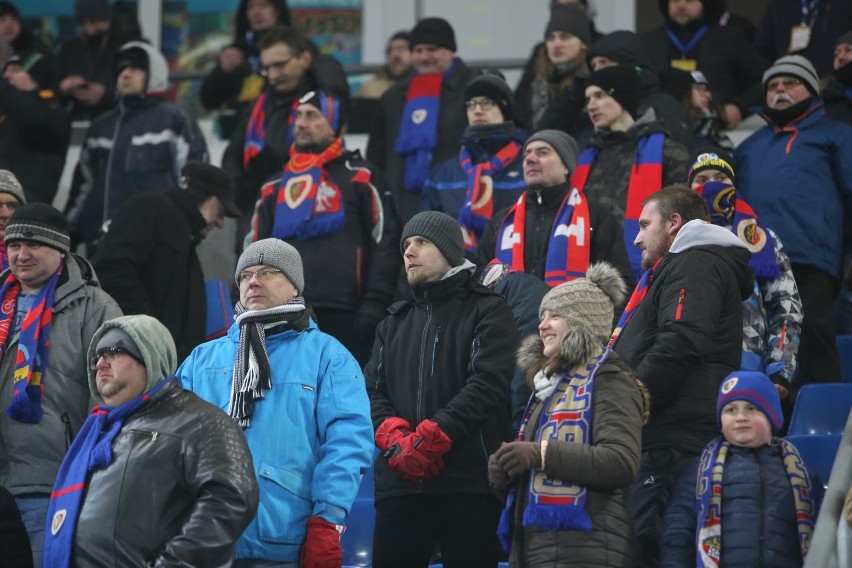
[[91, 450]]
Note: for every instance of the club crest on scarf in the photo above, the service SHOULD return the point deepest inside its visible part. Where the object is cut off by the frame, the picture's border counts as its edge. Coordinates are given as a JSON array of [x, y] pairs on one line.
[[419, 115], [57, 521], [751, 234]]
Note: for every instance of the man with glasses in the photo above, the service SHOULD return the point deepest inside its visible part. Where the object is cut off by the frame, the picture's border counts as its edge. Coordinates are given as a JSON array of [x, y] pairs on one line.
[[11, 197], [299, 397], [796, 173], [156, 475], [50, 307]]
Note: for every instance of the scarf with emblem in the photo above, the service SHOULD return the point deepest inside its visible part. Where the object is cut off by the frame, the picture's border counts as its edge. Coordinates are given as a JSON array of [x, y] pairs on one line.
[[636, 298], [33, 345], [708, 499], [646, 177], [308, 203], [568, 249], [479, 200]]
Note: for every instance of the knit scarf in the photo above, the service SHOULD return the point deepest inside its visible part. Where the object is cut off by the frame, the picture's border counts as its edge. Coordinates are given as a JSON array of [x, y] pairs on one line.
[[308, 203], [646, 177], [252, 374], [256, 129], [418, 131], [554, 504], [708, 499], [33, 345], [570, 242], [636, 298], [728, 209], [479, 199], [91, 450], [4, 256]]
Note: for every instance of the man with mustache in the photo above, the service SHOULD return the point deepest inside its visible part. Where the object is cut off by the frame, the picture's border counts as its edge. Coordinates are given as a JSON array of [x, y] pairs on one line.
[[796, 174]]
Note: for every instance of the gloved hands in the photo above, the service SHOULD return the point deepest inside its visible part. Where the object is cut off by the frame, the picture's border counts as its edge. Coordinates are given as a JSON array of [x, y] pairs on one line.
[[517, 457], [497, 477], [322, 545], [391, 431], [419, 457]]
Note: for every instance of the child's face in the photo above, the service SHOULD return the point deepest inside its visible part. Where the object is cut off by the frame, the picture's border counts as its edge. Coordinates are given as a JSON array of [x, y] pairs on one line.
[[744, 425]]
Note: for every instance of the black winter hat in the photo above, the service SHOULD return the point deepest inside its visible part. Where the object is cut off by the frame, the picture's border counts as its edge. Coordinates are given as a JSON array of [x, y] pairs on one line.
[[492, 84], [212, 181], [35, 64], [569, 18], [444, 232], [619, 82], [92, 10], [710, 158], [40, 223], [132, 56], [434, 31], [7, 9]]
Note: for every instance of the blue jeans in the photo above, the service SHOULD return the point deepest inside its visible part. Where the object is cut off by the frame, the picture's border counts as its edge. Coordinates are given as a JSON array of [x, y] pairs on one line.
[[33, 507]]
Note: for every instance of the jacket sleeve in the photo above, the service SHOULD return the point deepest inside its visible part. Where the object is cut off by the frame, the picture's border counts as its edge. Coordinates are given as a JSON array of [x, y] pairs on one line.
[[565, 108], [220, 472], [487, 249], [677, 542], [385, 229], [100, 307], [612, 460], [264, 213], [748, 70], [784, 315], [608, 243], [190, 133], [377, 143], [675, 161], [40, 119], [375, 379]]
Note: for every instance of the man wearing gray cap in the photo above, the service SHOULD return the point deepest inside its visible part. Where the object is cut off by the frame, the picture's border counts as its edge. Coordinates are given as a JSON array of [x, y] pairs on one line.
[[552, 231], [438, 382], [156, 476], [51, 307], [299, 397], [11, 197], [796, 174]]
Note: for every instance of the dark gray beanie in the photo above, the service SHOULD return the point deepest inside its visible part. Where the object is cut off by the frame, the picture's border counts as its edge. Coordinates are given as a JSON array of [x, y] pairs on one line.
[[39, 223], [117, 337], [492, 84], [10, 184], [569, 18], [794, 66], [564, 145], [444, 232], [844, 39], [277, 254]]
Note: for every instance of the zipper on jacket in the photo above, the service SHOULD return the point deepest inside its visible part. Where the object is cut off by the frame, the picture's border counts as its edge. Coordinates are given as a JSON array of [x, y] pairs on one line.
[[760, 503], [359, 253], [435, 349], [153, 435], [69, 433], [680, 298], [421, 361]]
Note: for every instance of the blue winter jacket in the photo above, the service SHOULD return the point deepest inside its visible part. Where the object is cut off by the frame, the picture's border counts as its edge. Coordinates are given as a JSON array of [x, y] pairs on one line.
[[311, 436], [797, 179]]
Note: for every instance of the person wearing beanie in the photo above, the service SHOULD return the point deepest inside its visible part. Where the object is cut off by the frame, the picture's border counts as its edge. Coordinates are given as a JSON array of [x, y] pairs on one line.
[[418, 122], [53, 306], [693, 91], [281, 378], [574, 377], [837, 94], [796, 175], [148, 258], [148, 446], [335, 209], [438, 407], [681, 333], [155, 140], [397, 67], [487, 174], [576, 231], [743, 475], [11, 197]]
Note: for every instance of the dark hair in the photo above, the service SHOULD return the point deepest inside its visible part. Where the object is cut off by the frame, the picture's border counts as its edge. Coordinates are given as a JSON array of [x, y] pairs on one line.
[[294, 39], [680, 199]]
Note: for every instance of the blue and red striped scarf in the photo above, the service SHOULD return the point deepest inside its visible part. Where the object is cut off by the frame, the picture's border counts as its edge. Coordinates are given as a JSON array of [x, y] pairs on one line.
[[639, 293], [33, 345], [256, 128], [569, 247], [646, 177], [4, 256], [478, 205], [91, 449]]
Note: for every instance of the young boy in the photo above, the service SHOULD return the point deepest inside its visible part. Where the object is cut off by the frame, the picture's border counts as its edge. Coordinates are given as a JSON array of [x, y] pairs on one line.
[[748, 500]]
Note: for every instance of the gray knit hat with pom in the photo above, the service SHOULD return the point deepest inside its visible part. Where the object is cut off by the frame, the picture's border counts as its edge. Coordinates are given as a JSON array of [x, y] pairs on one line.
[[277, 254]]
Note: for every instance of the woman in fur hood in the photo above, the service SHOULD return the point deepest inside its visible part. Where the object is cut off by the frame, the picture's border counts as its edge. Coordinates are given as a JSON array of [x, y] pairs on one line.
[[579, 442]]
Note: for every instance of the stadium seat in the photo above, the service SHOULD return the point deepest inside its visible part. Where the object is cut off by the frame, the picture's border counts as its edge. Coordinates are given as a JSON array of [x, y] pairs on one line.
[[818, 452], [844, 347], [357, 539], [821, 408]]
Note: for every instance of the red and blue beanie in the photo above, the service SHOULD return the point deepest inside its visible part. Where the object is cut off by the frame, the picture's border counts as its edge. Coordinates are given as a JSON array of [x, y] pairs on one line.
[[755, 388], [329, 105]]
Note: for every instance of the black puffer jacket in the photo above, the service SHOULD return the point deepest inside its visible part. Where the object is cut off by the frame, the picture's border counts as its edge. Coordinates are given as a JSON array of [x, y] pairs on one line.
[[445, 353], [758, 513], [179, 491], [838, 102]]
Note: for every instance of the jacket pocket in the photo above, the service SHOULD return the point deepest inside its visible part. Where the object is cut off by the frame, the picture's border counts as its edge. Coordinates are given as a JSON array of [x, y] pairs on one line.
[[285, 504]]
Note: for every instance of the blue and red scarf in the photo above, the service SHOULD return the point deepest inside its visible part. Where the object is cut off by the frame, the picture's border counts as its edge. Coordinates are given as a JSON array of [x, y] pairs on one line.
[[639, 293], [478, 205], [308, 204], [728, 209], [646, 177], [256, 128], [91, 450], [33, 345], [4, 256], [568, 249]]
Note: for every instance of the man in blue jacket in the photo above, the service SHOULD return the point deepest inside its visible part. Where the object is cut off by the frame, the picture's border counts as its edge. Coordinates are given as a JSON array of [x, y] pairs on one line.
[[310, 436]]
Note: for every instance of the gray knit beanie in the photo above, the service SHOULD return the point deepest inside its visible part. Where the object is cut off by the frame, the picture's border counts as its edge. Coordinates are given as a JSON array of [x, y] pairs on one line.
[[444, 232], [794, 66], [39, 223], [10, 184], [149, 338], [277, 254], [564, 145]]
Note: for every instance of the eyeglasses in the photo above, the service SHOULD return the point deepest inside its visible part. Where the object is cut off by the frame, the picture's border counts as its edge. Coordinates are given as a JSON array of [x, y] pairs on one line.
[[484, 104], [10, 205], [277, 65], [263, 274], [109, 354], [788, 82]]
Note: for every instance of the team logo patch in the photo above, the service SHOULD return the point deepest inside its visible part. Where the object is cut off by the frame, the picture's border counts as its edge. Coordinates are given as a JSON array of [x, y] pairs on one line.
[[58, 521], [419, 115], [729, 385], [751, 234], [297, 189], [486, 188]]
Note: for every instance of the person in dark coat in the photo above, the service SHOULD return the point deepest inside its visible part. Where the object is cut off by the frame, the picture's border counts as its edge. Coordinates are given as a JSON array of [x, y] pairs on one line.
[[837, 95], [692, 89], [14, 540], [147, 260], [759, 501]]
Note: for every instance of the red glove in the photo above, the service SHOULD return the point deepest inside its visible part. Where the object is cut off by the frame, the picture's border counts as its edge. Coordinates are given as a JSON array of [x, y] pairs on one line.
[[322, 545], [420, 457], [391, 431], [435, 442]]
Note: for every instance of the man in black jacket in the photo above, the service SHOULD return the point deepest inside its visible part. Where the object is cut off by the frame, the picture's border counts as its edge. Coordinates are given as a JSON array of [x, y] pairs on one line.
[[438, 382], [155, 476], [682, 334]]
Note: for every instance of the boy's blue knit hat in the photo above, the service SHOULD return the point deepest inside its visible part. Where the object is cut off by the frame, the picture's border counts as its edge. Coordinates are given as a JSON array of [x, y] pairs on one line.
[[755, 388]]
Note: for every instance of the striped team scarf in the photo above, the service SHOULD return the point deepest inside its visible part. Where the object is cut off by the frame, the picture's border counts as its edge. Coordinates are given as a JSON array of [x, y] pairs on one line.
[[708, 499], [636, 298], [4, 257], [568, 250], [91, 450], [256, 129], [646, 177], [33, 346], [478, 205], [554, 504]]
